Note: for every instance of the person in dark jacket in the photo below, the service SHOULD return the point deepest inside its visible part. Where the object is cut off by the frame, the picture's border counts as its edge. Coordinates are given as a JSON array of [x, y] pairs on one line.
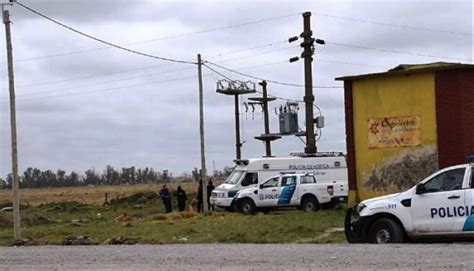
[[199, 197], [210, 187], [181, 198], [166, 198]]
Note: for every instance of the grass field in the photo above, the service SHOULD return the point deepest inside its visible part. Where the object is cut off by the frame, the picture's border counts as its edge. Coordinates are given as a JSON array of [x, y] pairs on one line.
[[88, 194], [56, 214]]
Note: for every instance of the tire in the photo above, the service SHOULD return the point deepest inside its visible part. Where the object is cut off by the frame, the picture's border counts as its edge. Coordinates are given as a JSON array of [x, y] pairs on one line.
[[385, 231], [247, 207], [309, 204]]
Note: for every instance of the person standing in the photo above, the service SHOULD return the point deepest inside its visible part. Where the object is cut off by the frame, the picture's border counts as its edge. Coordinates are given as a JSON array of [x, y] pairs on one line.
[[210, 187], [166, 198], [181, 194], [199, 197]]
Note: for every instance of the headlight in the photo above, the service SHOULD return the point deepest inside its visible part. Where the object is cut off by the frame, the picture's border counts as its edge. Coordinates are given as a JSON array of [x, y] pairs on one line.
[[221, 195], [360, 207]]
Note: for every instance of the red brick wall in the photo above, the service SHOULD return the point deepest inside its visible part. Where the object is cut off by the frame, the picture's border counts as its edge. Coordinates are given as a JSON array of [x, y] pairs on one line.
[[348, 105], [454, 115]]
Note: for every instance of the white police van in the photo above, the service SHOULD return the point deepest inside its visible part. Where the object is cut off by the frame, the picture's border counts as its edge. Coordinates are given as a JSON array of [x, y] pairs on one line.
[[439, 207], [328, 167], [287, 190]]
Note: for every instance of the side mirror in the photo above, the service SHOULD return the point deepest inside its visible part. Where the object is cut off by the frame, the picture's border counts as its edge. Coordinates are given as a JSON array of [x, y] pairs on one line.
[[261, 186], [420, 188]]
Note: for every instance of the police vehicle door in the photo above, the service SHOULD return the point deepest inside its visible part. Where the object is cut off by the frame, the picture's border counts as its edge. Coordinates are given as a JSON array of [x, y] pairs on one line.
[[287, 190], [437, 209], [269, 193]]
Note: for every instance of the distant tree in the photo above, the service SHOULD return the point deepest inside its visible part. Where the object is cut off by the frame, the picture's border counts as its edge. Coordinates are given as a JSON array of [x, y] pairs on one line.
[[91, 177], [3, 184], [72, 179], [110, 176], [61, 177], [165, 176]]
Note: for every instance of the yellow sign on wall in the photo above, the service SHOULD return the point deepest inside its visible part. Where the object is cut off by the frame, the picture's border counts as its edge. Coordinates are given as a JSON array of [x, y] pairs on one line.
[[392, 132]]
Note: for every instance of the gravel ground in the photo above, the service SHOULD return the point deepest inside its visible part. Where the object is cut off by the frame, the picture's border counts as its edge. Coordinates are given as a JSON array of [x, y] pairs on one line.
[[241, 257]]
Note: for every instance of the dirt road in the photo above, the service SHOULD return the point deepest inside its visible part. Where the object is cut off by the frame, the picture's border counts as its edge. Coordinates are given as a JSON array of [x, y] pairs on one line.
[[241, 257]]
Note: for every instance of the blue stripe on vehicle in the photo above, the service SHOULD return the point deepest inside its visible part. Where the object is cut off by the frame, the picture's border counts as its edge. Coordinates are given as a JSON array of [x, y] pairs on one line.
[[469, 224], [286, 194]]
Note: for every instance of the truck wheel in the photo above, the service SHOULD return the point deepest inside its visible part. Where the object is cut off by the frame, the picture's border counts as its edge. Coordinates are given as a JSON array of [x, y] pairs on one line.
[[385, 231], [309, 204], [247, 206]]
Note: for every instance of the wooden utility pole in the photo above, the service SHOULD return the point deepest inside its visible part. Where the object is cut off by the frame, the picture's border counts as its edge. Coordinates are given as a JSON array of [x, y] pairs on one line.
[[15, 186], [307, 54], [201, 135]]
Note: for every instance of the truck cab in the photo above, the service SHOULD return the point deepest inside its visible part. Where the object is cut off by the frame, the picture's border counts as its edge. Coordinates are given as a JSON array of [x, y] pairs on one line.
[[287, 190], [440, 206]]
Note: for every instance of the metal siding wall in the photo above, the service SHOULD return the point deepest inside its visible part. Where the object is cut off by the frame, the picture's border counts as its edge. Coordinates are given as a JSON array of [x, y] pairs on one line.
[[348, 105], [455, 115]]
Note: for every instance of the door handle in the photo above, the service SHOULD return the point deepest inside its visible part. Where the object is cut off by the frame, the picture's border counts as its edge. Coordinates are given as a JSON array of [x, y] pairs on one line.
[[274, 190], [453, 197]]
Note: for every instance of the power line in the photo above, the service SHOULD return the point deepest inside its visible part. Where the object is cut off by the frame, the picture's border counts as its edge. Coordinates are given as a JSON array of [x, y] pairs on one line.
[[349, 63], [252, 48], [106, 89], [262, 79], [89, 76], [101, 40], [394, 25], [259, 54], [132, 86], [156, 39], [391, 51], [161, 65], [100, 83]]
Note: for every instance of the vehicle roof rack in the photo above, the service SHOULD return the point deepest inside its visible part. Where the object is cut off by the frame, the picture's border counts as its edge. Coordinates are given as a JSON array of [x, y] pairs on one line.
[[318, 154], [241, 162]]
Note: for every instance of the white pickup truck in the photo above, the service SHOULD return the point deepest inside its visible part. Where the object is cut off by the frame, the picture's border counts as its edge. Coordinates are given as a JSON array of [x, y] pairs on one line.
[[296, 190], [439, 207]]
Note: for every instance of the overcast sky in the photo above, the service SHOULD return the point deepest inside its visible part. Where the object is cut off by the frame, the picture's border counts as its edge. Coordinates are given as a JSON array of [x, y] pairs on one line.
[[83, 105]]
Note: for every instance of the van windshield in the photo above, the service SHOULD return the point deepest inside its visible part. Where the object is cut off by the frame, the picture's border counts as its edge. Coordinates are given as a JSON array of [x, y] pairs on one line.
[[234, 177]]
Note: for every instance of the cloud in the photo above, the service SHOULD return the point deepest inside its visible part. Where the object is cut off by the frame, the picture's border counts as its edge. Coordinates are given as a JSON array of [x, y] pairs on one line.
[[79, 110]]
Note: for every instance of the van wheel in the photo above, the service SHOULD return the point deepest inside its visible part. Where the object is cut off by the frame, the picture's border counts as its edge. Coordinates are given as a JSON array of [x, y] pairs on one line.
[[309, 204], [247, 206], [385, 231]]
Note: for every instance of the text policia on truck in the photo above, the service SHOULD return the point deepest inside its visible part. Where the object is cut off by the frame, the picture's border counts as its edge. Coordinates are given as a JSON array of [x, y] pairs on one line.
[[439, 207], [286, 190], [328, 168]]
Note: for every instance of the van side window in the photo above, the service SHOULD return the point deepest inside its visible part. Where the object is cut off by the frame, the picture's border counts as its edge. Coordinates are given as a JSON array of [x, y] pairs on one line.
[[446, 181], [307, 179], [287, 181], [250, 178]]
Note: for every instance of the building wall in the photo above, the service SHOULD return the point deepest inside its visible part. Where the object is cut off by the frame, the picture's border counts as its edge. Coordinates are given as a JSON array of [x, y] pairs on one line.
[[455, 115], [348, 105], [384, 170]]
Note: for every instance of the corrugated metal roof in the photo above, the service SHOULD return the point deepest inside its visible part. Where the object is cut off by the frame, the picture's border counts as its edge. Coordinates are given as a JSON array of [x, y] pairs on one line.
[[409, 69]]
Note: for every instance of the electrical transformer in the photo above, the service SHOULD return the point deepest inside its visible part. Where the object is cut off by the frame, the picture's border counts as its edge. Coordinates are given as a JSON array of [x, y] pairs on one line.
[[288, 122]]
